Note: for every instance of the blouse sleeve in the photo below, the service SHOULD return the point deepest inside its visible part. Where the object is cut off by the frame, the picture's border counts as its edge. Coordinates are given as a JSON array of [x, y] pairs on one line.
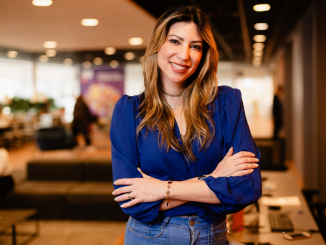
[[125, 157], [235, 193]]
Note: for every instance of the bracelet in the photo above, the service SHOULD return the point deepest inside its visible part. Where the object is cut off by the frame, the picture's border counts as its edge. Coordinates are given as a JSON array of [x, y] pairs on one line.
[[202, 177], [168, 193]]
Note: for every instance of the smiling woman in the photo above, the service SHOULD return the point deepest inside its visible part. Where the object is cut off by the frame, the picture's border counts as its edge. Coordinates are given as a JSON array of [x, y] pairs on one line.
[[182, 153]]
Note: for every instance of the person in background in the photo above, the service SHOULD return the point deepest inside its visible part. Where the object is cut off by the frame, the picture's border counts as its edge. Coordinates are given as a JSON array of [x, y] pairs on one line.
[[182, 153], [6, 180], [82, 120], [278, 111]]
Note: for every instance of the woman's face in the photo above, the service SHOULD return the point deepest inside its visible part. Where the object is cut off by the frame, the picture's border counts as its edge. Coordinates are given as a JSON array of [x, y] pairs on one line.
[[180, 54]]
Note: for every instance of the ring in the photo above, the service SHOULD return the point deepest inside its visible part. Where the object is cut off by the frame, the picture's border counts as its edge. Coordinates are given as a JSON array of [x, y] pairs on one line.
[[129, 195]]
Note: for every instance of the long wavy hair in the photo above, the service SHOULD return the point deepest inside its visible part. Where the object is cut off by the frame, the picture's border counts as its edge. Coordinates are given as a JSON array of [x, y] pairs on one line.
[[200, 87]]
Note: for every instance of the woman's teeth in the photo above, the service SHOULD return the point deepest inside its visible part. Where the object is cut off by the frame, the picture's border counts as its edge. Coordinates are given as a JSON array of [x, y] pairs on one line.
[[177, 66]]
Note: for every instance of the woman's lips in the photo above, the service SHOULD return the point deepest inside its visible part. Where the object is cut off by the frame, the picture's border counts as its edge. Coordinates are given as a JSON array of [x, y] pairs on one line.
[[179, 68]]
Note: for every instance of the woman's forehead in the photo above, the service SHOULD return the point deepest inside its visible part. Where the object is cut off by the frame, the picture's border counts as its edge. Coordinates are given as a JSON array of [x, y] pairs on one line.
[[185, 30]]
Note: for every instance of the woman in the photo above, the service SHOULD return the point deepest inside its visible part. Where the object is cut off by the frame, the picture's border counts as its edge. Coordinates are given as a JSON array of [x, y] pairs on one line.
[[182, 153]]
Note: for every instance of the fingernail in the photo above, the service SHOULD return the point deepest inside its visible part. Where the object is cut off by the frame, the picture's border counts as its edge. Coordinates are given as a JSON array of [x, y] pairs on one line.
[[251, 170], [256, 165], [122, 205], [253, 154], [114, 182], [113, 193], [257, 159], [115, 199]]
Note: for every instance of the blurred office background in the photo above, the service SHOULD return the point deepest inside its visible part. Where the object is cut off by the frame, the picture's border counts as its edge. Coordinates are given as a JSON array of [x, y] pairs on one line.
[[51, 52]]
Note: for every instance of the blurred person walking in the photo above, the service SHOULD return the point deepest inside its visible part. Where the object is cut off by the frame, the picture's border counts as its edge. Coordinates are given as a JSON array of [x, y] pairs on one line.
[[278, 111], [82, 120], [6, 180]]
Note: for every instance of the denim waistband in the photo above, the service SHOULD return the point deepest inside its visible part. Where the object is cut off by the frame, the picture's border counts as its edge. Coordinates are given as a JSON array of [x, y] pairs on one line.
[[186, 222]]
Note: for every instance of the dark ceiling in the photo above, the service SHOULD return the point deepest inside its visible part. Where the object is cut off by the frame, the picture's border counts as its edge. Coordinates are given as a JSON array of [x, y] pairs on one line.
[[233, 22]]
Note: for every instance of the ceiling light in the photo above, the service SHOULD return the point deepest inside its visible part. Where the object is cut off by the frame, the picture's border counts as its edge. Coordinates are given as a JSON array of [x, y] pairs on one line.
[[68, 62], [261, 26], [256, 62], [141, 59], [114, 64], [259, 38], [87, 64], [12, 54], [262, 7], [109, 50], [51, 52], [50, 44], [42, 3], [43, 58], [135, 41], [257, 58], [258, 46], [89, 22], [130, 56], [257, 52], [98, 61]]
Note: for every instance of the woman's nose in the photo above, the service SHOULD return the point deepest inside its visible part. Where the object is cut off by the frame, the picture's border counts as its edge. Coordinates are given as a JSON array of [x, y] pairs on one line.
[[183, 53]]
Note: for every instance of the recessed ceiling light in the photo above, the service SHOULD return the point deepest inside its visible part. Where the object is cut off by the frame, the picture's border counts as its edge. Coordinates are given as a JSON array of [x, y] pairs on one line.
[[12, 54], [98, 61], [135, 41], [259, 38], [42, 3], [109, 50], [257, 52], [50, 44], [261, 26], [114, 64], [43, 58], [87, 64], [262, 7], [129, 56], [51, 52], [89, 22], [68, 62], [257, 58], [256, 62], [258, 46]]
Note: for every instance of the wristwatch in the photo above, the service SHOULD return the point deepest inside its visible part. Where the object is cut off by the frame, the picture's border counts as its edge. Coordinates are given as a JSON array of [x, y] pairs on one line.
[[202, 177]]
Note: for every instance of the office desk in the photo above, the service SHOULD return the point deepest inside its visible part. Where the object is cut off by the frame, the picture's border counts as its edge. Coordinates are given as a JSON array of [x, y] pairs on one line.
[[300, 216]]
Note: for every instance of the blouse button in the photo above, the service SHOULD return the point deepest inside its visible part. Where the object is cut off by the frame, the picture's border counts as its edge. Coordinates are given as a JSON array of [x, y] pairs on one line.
[[192, 222]]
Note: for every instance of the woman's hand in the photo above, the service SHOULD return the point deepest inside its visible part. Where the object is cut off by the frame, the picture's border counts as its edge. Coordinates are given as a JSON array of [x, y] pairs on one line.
[[146, 189], [239, 164]]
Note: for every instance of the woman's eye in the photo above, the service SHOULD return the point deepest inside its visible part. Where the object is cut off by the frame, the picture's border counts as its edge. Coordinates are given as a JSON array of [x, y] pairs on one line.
[[196, 47], [174, 41]]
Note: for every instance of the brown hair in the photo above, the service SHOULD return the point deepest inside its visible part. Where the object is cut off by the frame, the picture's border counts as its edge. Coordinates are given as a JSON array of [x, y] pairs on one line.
[[200, 91]]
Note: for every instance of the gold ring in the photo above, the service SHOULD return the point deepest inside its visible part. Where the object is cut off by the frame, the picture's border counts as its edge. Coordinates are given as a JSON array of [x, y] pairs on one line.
[[129, 195]]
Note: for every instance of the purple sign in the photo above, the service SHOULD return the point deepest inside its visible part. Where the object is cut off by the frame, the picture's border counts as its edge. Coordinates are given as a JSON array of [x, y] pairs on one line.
[[101, 88]]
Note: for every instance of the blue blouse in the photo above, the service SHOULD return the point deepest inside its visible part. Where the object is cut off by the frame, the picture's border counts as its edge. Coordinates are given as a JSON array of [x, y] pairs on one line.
[[231, 130]]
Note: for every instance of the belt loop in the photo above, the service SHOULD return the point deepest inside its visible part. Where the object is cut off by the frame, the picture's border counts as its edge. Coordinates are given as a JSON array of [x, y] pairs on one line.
[[165, 221]]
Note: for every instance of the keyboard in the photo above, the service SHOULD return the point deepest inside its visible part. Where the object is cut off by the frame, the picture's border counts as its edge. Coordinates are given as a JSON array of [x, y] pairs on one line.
[[280, 222]]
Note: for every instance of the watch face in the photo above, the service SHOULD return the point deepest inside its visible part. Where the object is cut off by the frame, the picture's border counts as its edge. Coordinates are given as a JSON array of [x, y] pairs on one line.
[[202, 177]]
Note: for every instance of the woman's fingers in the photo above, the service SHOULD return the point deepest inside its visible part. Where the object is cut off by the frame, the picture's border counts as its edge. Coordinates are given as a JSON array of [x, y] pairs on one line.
[[245, 160], [246, 166], [145, 176], [242, 172], [130, 203], [124, 197], [122, 190], [125, 181], [242, 154]]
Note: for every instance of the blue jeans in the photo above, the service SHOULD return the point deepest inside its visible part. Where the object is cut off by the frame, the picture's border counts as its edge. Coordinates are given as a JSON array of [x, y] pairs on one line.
[[179, 230]]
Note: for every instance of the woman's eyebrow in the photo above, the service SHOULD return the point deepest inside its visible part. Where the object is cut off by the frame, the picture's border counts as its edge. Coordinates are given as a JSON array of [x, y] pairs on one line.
[[195, 41]]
